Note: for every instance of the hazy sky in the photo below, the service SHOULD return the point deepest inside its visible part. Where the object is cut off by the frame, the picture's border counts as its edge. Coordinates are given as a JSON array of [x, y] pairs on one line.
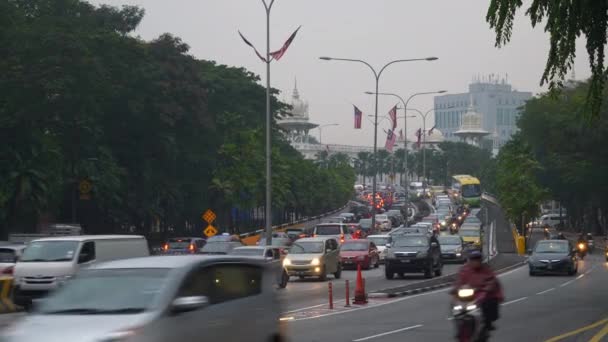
[[377, 31]]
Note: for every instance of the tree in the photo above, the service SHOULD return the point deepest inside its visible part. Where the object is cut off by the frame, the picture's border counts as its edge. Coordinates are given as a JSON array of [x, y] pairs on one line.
[[565, 22]]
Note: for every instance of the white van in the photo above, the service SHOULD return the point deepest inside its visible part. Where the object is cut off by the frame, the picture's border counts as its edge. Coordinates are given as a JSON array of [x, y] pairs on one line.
[[47, 263], [551, 220]]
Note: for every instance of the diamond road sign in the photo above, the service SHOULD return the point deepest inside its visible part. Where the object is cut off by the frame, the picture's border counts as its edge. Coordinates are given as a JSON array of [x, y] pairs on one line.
[[209, 216], [210, 231]]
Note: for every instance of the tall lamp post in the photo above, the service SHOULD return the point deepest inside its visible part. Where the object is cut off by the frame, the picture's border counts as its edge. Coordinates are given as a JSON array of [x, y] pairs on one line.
[[423, 116], [404, 102], [377, 75], [321, 131]]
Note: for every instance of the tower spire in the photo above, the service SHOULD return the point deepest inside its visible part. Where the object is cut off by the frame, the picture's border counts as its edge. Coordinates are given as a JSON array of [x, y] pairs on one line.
[[296, 93]]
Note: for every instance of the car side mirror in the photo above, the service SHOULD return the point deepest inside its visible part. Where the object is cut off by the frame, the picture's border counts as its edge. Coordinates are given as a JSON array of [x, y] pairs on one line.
[[191, 303]]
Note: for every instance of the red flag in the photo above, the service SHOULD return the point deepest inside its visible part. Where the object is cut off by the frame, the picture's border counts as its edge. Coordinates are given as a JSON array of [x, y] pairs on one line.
[[393, 116], [418, 135], [431, 130], [279, 53], [358, 117], [253, 47], [390, 140]]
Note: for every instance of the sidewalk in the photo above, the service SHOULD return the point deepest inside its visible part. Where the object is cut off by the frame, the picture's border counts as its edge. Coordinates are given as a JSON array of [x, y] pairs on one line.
[[9, 318]]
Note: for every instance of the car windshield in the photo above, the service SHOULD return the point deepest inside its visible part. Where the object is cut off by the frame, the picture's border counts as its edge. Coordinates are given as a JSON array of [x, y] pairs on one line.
[[217, 247], [108, 291], [411, 242], [248, 251], [307, 247], [7, 255], [471, 190], [365, 223], [178, 244], [49, 251], [381, 217], [449, 240], [378, 240], [354, 246], [551, 247], [328, 230], [469, 233]]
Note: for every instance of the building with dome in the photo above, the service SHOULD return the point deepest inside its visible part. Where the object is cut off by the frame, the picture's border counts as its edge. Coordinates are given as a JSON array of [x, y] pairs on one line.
[[433, 139], [471, 130], [494, 100], [297, 124]]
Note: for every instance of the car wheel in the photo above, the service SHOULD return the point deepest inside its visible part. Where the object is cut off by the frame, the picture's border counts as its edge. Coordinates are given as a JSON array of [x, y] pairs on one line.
[[388, 273], [338, 273], [428, 273], [532, 273], [574, 270]]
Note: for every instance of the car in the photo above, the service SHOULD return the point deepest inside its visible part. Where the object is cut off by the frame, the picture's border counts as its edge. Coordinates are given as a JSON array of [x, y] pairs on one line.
[[452, 248], [183, 245], [359, 252], [295, 233], [410, 230], [380, 241], [553, 256], [339, 231], [337, 219], [348, 217], [366, 224], [47, 264], [413, 253], [9, 255], [385, 222], [220, 245], [279, 239], [396, 217], [162, 298], [314, 257], [471, 237], [269, 254]]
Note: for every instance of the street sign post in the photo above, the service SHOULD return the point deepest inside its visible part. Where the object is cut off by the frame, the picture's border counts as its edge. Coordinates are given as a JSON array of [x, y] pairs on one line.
[[209, 216], [210, 231]]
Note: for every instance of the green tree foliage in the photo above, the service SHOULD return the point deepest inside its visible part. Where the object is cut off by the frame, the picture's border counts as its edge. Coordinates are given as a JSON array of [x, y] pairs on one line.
[[161, 135], [565, 22], [516, 181]]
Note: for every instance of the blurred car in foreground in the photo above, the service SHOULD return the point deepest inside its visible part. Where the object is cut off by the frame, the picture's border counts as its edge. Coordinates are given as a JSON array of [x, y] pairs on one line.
[[553, 256], [9, 255], [452, 248], [270, 254], [359, 252], [183, 245], [163, 298], [314, 257]]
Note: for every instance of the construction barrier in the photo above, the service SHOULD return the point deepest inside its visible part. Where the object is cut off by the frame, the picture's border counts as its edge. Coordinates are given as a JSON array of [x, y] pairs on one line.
[[6, 289]]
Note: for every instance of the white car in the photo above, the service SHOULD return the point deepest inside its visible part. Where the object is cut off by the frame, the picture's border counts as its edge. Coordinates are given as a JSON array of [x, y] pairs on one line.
[[9, 255], [384, 221], [380, 241]]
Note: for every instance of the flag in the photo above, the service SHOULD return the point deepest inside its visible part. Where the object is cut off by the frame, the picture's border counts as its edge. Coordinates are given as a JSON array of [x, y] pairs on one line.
[[393, 116], [401, 135], [279, 53], [431, 130], [418, 135], [390, 140], [358, 117], [253, 47]]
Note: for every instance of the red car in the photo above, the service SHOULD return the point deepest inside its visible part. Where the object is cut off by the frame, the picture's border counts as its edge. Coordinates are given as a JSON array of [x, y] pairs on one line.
[[360, 251]]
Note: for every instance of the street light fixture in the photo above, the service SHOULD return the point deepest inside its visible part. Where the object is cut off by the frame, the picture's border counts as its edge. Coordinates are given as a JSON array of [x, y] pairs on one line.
[[423, 116], [407, 198], [377, 75], [321, 131]]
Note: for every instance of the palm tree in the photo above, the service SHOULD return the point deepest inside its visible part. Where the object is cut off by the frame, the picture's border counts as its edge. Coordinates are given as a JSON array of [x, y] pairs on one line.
[[363, 165], [399, 157], [383, 163], [338, 159]]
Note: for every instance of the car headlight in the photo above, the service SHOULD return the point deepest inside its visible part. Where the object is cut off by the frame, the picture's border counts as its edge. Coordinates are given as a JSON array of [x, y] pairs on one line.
[[458, 249], [286, 262], [315, 262], [443, 223]]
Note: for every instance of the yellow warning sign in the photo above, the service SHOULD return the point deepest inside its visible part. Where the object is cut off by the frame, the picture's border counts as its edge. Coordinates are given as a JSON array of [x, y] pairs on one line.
[[210, 231], [209, 216], [85, 186]]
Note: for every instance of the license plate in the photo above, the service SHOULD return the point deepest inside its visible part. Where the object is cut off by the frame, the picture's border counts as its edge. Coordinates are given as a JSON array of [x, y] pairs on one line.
[[405, 261], [300, 273], [348, 262]]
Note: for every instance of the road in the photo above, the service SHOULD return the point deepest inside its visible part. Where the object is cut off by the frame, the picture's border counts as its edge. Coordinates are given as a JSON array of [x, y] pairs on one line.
[[536, 309]]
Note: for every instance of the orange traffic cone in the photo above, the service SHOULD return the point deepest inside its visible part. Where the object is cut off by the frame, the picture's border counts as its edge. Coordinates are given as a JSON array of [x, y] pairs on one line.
[[360, 295]]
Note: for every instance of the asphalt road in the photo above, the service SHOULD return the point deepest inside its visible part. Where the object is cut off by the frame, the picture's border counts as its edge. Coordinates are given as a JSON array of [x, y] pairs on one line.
[[536, 309]]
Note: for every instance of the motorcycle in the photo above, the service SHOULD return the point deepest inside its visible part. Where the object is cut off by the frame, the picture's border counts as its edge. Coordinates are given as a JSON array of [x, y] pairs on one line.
[[581, 248], [590, 243], [468, 317]]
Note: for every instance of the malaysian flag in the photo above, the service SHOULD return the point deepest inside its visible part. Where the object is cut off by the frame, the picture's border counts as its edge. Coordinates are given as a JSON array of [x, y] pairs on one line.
[[393, 115], [431, 130], [358, 117], [279, 53], [253, 47], [390, 140]]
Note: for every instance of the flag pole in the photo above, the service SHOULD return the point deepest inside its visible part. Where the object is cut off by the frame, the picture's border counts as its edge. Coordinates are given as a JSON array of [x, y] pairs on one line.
[[268, 214]]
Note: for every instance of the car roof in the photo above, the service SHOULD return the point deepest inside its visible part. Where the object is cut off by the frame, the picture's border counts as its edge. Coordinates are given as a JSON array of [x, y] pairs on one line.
[[253, 247], [89, 237], [315, 239], [185, 238], [379, 235], [172, 261], [355, 241], [553, 241], [412, 235]]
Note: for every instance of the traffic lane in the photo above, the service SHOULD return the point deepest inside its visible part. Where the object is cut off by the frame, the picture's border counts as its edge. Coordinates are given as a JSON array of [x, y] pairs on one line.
[[310, 292], [427, 312]]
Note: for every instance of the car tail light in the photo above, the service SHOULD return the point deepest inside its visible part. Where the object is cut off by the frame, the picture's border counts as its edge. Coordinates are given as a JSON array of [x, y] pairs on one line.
[[341, 238], [166, 247], [191, 247], [9, 270]]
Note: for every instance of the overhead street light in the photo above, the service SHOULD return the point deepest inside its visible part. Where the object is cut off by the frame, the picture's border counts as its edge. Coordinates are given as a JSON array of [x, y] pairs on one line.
[[377, 75]]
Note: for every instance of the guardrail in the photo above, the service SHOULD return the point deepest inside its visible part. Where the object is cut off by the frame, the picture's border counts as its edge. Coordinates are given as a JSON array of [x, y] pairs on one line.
[[6, 289], [253, 237]]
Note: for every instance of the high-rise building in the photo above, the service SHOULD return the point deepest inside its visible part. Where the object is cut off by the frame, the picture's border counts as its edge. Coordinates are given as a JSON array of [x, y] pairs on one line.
[[493, 98]]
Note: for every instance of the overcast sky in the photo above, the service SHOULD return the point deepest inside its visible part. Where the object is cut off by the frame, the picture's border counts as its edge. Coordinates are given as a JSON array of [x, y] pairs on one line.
[[377, 31]]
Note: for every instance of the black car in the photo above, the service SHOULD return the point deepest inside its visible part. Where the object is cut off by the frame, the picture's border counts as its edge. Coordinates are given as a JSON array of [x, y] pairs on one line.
[[553, 256], [413, 253], [183, 245], [452, 248]]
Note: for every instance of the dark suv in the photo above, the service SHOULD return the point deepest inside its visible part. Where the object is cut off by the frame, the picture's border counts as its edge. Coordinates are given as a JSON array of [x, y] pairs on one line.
[[413, 253]]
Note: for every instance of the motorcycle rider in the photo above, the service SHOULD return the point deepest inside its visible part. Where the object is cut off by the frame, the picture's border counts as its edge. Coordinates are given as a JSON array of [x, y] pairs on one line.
[[488, 289], [561, 236]]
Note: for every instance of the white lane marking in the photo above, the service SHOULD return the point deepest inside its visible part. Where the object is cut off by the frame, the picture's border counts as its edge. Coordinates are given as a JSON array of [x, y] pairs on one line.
[[548, 290], [515, 301], [388, 333], [306, 308], [572, 281]]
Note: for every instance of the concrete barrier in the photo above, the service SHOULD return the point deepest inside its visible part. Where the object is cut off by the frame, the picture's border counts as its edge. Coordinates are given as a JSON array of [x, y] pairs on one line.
[[6, 289]]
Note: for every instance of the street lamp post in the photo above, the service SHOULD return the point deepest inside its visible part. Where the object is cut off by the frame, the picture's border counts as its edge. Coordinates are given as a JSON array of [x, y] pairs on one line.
[[377, 79], [268, 211], [423, 116], [321, 131]]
